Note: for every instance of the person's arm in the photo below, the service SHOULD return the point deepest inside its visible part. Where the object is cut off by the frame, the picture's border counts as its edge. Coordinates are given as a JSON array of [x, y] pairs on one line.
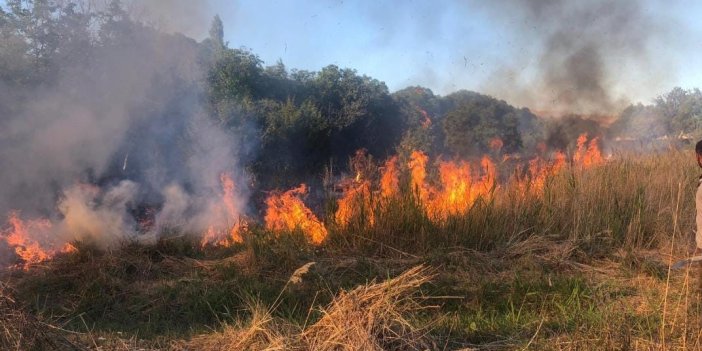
[[698, 220]]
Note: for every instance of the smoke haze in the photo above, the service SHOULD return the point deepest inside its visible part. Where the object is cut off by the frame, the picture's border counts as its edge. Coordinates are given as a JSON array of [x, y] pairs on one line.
[[584, 50], [120, 122]]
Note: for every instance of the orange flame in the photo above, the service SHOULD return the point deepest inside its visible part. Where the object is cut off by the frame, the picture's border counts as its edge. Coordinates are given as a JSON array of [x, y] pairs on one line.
[[20, 238], [286, 211], [587, 154], [418, 174], [426, 120], [455, 195], [459, 187], [355, 197], [389, 179], [496, 144], [225, 237], [538, 172]]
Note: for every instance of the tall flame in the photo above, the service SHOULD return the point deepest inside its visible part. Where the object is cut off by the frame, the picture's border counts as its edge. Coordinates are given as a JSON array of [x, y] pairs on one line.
[[587, 154], [390, 179], [286, 211], [540, 171], [455, 195], [459, 188], [224, 237], [418, 174], [356, 197]]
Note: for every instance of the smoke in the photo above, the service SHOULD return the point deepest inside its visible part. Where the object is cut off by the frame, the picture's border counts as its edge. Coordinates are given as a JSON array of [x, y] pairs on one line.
[[590, 56], [123, 129], [91, 215], [191, 18]]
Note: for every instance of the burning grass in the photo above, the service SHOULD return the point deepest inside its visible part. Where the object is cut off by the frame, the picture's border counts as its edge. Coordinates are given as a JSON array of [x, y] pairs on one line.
[[580, 263]]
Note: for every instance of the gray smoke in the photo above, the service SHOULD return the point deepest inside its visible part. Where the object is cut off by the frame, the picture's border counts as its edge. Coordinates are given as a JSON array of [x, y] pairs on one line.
[[191, 18], [585, 49], [122, 129]]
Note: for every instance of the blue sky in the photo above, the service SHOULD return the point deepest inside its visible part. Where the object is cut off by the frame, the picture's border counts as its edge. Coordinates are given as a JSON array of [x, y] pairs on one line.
[[449, 45], [443, 45]]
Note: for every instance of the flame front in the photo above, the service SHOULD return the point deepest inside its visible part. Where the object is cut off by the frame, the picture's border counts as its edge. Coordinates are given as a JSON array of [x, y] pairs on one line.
[[232, 235], [539, 172], [587, 154], [460, 188], [455, 196], [355, 200], [22, 238], [418, 172], [286, 211], [390, 179]]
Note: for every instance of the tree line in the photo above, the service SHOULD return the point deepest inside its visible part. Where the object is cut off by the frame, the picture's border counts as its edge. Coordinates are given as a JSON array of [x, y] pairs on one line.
[[291, 124]]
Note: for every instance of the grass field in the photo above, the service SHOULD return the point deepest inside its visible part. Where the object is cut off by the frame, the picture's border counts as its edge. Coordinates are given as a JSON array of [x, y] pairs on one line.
[[581, 264]]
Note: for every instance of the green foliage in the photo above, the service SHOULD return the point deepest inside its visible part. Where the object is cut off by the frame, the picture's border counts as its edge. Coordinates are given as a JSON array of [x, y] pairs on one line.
[[476, 119], [677, 112], [682, 109]]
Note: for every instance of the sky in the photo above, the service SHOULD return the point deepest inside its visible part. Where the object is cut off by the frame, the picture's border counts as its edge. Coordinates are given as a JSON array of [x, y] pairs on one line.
[[461, 44], [449, 45]]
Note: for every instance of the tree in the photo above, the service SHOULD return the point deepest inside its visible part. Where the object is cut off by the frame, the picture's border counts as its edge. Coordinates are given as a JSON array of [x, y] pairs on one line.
[[681, 109], [476, 120], [217, 34]]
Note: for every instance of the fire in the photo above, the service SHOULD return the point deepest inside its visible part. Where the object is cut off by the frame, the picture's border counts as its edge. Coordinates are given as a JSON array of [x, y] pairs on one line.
[[21, 237], [459, 188], [541, 147], [286, 211], [220, 237], [487, 181], [356, 196], [389, 179], [426, 122], [540, 170], [455, 195], [418, 173], [496, 144], [587, 154]]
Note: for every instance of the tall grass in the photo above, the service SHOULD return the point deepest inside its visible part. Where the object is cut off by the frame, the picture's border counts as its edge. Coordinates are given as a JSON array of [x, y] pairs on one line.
[[626, 203], [579, 264]]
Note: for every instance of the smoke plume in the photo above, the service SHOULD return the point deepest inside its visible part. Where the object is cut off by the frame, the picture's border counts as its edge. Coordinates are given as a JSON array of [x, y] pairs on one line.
[[583, 51], [122, 129]]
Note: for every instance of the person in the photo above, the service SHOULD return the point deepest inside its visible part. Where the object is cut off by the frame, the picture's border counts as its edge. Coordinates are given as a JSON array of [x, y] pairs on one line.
[[698, 202]]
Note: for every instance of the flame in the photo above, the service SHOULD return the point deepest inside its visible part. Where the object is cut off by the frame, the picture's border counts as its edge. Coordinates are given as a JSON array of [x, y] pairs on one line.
[[389, 179], [459, 188], [487, 181], [356, 197], [539, 171], [21, 237], [426, 120], [455, 195], [587, 154], [418, 174], [286, 211], [496, 144], [220, 237], [541, 147]]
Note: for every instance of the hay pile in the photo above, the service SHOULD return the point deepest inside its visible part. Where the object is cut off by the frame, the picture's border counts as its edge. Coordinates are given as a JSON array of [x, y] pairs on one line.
[[369, 317]]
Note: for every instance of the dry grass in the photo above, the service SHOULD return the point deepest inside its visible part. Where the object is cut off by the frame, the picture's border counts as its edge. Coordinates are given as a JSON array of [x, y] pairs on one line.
[[370, 317], [262, 332], [23, 331], [581, 266]]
